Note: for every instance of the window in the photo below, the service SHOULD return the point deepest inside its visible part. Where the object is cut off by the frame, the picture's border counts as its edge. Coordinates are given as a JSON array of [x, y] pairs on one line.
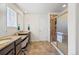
[[11, 18]]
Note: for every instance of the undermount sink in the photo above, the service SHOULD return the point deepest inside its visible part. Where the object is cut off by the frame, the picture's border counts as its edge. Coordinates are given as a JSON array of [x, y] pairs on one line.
[[5, 40]]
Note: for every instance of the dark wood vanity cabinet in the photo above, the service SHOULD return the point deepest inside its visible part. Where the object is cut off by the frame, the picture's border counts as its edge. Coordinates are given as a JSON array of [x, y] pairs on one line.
[[15, 48], [8, 50], [11, 49]]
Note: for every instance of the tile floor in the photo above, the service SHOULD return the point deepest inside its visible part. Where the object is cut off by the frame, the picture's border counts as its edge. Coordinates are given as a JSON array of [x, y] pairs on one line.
[[41, 48]]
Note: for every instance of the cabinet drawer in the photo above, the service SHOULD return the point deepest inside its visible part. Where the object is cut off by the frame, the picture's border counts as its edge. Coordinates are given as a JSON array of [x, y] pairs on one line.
[[7, 49]]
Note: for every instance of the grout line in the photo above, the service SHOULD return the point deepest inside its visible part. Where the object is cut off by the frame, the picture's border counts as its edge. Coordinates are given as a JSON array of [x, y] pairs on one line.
[[57, 49]]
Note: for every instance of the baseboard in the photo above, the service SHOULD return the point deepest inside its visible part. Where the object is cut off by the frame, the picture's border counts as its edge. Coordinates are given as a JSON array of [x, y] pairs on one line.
[[57, 49]]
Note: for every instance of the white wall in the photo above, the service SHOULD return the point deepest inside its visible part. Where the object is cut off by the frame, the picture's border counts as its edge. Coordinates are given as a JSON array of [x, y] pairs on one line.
[[39, 26], [20, 20], [2, 18], [77, 28], [72, 28]]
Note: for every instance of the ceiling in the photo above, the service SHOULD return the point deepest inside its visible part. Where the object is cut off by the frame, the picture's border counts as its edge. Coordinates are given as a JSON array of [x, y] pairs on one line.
[[41, 7]]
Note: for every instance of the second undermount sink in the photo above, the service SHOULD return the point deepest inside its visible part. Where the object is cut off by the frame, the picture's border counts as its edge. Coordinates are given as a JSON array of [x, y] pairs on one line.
[[4, 40]]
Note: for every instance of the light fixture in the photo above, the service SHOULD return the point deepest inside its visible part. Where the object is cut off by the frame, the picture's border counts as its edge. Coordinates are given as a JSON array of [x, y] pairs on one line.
[[64, 5]]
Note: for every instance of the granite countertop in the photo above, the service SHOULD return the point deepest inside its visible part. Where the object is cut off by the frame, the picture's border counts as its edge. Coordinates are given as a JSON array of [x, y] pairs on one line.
[[10, 40]]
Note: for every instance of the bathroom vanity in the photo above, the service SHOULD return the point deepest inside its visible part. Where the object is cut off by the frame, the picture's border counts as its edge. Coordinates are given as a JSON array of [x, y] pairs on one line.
[[12, 45]]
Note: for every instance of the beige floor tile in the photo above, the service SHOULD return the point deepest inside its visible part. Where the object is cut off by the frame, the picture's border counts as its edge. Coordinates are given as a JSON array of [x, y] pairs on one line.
[[41, 48]]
